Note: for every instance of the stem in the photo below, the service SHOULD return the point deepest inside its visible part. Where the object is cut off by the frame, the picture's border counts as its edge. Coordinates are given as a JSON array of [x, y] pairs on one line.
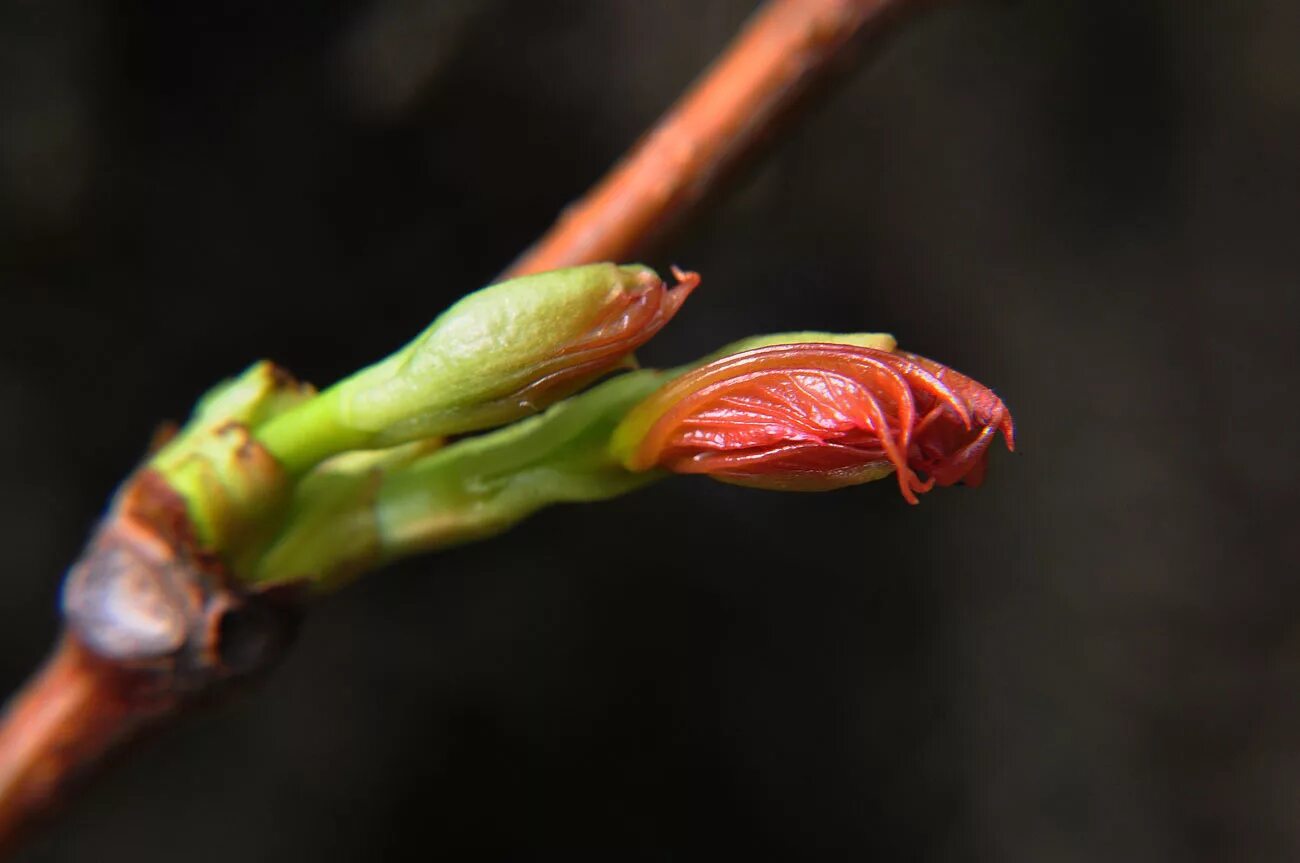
[[362, 510], [75, 710], [301, 438], [765, 73]]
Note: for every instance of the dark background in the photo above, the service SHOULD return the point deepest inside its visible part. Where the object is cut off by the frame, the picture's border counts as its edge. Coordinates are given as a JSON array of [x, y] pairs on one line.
[[1091, 206]]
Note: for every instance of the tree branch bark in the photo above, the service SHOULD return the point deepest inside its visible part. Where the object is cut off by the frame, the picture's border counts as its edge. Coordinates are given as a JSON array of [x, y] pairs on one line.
[[785, 49], [75, 710]]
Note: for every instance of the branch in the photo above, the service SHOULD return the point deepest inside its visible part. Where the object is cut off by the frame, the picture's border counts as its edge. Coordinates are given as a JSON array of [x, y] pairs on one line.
[[785, 49], [152, 624], [76, 709], [103, 684]]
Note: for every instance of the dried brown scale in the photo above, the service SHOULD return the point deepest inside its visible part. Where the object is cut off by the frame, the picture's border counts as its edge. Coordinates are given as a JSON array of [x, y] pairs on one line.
[[153, 625], [145, 560]]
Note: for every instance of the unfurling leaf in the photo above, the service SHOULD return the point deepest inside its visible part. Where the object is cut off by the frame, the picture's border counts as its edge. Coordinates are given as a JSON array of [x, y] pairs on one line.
[[817, 416]]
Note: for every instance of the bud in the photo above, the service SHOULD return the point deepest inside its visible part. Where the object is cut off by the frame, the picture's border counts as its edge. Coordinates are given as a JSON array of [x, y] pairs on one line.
[[498, 354], [262, 392], [358, 510], [817, 416], [229, 483]]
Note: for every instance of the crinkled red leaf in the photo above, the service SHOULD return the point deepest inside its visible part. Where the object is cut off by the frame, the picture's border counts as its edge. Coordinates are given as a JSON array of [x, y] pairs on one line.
[[821, 415]]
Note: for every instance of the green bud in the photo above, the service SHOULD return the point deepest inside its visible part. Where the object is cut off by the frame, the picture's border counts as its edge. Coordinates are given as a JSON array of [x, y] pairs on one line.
[[231, 485], [498, 354], [361, 509], [330, 530]]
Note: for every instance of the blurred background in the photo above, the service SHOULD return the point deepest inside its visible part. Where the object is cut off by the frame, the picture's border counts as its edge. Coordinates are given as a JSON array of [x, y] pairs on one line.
[[1094, 207]]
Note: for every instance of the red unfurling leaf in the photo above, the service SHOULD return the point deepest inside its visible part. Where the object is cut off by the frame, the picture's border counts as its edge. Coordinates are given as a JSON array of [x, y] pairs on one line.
[[819, 416]]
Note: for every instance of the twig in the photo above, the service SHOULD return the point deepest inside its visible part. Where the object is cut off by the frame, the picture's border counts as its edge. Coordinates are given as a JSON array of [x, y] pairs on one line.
[[151, 626], [81, 705], [784, 49], [76, 709]]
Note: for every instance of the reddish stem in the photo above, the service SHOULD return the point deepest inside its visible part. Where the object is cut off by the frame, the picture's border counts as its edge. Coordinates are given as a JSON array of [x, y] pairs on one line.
[[786, 47], [76, 709]]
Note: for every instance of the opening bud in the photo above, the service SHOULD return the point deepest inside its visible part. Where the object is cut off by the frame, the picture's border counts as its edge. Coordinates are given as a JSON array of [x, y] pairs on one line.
[[818, 416], [500, 353]]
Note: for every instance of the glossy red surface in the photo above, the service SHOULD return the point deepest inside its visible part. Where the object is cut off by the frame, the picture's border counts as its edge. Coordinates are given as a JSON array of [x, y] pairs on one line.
[[819, 416]]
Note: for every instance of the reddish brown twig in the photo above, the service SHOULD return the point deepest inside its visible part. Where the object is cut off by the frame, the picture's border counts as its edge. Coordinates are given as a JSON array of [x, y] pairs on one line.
[[784, 49], [76, 709], [84, 702], [151, 625]]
